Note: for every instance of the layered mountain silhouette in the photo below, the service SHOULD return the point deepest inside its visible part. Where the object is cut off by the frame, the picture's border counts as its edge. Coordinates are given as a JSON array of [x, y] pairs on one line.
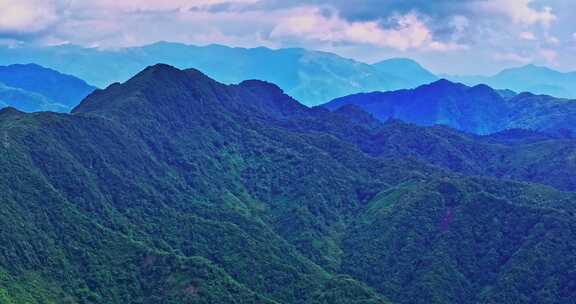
[[27, 101], [309, 76], [175, 188], [32, 88], [479, 109], [528, 78]]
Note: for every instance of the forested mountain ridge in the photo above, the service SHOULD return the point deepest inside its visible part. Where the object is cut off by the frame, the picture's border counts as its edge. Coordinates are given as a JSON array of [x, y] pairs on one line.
[[514, 154], [479, 109], [174, 188]]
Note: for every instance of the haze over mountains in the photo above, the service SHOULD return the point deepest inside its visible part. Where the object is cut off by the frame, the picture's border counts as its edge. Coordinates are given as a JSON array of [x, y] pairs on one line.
[[310, 76], [174, 188]]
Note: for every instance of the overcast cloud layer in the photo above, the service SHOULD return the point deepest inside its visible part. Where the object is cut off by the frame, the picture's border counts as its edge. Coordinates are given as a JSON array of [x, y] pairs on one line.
[[452, 36]]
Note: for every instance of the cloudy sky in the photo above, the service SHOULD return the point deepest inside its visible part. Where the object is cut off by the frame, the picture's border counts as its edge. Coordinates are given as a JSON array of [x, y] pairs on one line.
[[449, 36]]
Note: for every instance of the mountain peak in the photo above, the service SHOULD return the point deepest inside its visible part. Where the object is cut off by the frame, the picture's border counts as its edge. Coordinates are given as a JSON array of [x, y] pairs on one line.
[[532, 66], [165, 73], [442, 81], [9, 111], [271, 98], [529, 68], [255, 83], [167, 92], [153, 79], [443, 84], [483, 88], [407, 69], [403, 62], [159, 68], [164, 43]]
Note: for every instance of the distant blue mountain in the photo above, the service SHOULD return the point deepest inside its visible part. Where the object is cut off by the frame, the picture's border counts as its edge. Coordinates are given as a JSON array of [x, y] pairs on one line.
[[479, 109], [31, 88], [529, 78], [65, 89], [410, 72], [309, 76], [27, 101]]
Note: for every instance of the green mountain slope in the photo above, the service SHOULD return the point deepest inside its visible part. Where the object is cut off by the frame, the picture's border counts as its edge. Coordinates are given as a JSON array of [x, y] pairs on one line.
[[447, 242], [514, 154], [175, 192], [174, 188]]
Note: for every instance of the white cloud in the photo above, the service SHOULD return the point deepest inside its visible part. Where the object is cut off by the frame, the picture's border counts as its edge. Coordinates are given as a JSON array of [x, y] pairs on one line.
[[550, 56], [26, 16], [527, 36], [311, 23], [152, 5], [109, 25], [460, 24], [364, 29], [520, 11], [551, 39]]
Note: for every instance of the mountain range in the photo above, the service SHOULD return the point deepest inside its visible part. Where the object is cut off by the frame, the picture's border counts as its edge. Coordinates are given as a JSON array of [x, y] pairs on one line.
[[32, 88], [310, 76], [174, 188], [479, 109], [528, 78]]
